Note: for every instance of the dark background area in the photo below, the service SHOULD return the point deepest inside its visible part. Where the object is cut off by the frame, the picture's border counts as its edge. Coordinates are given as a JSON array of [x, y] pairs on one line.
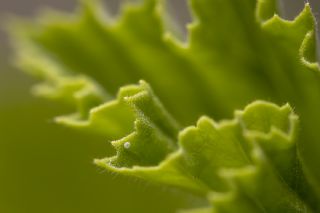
[[47, 168]]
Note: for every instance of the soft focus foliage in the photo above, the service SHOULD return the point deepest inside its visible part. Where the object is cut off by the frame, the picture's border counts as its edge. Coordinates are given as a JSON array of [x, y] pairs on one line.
[[237, 52]]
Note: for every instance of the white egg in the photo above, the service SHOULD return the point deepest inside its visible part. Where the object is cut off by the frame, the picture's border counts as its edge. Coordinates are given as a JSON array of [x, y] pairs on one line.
[[127, 145]]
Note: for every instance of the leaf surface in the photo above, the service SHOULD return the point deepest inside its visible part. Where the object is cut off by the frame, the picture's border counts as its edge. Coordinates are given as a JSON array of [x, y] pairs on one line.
[[237, 52]]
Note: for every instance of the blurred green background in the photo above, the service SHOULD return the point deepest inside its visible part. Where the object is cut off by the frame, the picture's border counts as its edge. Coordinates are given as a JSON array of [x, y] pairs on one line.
[[48, 168]]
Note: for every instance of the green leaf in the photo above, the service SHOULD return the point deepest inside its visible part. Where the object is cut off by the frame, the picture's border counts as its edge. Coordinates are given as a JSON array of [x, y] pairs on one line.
[[237, 52], [266, 9], [237, 159]]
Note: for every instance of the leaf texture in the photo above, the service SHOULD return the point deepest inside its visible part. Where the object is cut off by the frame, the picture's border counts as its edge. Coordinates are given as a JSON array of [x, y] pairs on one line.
[[235, 161], [237, 52]]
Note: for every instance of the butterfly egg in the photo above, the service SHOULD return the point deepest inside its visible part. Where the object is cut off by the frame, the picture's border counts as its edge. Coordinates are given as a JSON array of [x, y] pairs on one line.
[[127, 145]]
